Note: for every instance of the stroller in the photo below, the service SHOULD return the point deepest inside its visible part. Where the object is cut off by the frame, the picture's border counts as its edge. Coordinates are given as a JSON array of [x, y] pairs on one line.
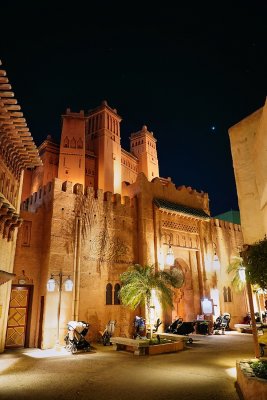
[[222, 322], [139, 328], [75, 338], [179, 327], [108, 332]]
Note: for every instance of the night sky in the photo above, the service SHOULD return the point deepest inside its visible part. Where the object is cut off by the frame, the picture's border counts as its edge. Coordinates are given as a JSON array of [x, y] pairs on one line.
[[189, 73]]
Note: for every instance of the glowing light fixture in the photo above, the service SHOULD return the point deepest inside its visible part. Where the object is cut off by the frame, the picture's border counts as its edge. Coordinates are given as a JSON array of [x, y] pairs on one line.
[[216, 261], [170, 256], [51, 284], [215, 257], [242, 273], [68, 285]]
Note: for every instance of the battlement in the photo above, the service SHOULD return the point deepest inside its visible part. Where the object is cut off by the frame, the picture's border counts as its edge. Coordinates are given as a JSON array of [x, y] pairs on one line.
[[73, 114], [166, 189], [156, 188], [220, 223], [37, 199], [48, 192], [187, 189]]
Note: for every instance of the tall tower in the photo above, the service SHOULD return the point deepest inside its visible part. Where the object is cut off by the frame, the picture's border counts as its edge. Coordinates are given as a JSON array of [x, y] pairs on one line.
[[72, 148], [143, 146], [104, 136]]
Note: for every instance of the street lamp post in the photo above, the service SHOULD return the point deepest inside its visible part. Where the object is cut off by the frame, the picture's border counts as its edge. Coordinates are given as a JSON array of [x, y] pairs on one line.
[[51, 285]]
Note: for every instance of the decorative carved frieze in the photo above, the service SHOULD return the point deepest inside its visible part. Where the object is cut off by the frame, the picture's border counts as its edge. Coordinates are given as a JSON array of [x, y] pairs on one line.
[[181, 239], [180, 226]]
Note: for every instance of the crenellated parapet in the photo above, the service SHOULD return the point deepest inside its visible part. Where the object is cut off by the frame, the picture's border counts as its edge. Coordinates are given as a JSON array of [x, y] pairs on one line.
[[111, 201], [37, 199], [226, 225], [166, 189], [50, 191]]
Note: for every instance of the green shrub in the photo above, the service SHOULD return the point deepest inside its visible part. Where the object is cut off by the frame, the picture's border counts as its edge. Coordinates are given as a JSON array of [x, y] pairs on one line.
[[162, 341], [259, 368]]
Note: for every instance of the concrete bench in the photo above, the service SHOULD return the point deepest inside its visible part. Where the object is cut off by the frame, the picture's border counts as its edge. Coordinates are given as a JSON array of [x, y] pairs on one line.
[[247, 328], [137, 346]]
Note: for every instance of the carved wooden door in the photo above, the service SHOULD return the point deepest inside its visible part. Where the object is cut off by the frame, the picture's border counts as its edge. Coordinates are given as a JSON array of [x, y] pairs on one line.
[[17, 318]]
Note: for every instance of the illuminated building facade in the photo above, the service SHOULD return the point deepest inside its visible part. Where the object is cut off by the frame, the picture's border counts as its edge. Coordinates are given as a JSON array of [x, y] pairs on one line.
[[93, 209], [17, 152], [248, 145]]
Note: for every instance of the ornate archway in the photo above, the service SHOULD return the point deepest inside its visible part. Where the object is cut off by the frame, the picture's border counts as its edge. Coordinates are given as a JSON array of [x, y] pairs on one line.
[[184, 297]]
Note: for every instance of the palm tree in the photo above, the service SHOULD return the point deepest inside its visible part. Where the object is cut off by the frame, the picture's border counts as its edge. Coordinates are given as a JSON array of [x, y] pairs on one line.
[[138, 283], [235, 266]]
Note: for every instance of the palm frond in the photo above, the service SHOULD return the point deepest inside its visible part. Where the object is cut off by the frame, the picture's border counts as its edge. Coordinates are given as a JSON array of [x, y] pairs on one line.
[[234, 268], [139, 281]]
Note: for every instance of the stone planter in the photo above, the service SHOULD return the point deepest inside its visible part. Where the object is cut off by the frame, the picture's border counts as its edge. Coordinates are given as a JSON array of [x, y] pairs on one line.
[[252, 388], [165, 348]]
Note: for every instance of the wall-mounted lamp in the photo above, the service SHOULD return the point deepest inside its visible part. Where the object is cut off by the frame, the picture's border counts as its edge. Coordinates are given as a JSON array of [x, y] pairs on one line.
[[242, 273], [51, 285], [170, 256], [52, 282], [216, 261]]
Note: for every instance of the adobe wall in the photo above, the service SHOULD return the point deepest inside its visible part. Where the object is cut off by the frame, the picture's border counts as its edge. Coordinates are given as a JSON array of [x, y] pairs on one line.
[[10, 193], [248, 144], [7, 253], [129, 167], [157, 228], [29, 259], [145, 192], [228, 240], [93, 238]]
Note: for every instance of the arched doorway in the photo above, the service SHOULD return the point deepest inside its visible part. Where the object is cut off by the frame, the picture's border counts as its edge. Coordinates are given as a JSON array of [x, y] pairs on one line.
[[184, 297]]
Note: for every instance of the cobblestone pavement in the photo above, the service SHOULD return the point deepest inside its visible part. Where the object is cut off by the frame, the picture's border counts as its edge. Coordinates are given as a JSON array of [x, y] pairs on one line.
[[205, 370]]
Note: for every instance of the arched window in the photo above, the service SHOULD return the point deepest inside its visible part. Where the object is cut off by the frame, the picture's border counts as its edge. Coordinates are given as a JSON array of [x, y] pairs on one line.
[[80, 144], [225, 294], [109, 294], [116, 293], [73, 143], [229, 294], [66, 142]]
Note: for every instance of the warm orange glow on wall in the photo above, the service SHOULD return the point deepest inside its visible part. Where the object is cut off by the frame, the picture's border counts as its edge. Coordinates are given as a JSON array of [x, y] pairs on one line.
[[117, 176]]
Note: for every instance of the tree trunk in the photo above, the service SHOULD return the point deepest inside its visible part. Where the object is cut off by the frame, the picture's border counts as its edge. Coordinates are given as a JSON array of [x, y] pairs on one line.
[[149, 318]]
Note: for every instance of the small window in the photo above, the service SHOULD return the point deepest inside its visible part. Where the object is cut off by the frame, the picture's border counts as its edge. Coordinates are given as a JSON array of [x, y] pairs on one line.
[[109, 294], [66, 142], [227, 294], [26, 233], [80, 144], [116, 294], [73, 143]]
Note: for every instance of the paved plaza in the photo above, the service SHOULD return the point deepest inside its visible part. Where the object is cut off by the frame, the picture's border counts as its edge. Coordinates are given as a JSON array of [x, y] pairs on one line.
[[205, 370]]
